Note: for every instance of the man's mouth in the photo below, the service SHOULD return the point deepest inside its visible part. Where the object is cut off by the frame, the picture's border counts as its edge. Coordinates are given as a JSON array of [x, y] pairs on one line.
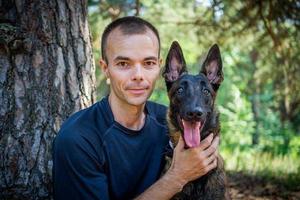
[[137, 90], [191, 132]]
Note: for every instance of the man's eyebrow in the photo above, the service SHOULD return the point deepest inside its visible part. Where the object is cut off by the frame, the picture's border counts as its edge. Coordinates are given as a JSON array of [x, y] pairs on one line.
[[151, 58], [127, 58], [121, 58]]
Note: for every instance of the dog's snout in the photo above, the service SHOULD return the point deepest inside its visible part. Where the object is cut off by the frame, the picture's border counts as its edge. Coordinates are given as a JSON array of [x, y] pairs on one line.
[[194, 114]]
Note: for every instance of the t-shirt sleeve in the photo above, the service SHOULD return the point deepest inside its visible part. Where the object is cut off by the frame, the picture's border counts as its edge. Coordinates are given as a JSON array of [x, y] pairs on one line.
[[78, 168]]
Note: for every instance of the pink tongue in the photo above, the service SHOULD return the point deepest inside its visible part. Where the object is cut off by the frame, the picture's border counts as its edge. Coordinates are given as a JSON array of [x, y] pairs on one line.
[[191, 133]]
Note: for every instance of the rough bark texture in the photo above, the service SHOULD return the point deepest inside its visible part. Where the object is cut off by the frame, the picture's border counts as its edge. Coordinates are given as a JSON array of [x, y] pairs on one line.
[[46, 74]]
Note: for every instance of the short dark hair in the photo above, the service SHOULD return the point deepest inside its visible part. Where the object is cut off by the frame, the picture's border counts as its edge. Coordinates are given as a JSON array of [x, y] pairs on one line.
[[129, 25]]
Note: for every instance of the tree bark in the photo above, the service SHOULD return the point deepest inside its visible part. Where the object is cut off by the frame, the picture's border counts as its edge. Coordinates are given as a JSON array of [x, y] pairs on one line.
[[46, 74]]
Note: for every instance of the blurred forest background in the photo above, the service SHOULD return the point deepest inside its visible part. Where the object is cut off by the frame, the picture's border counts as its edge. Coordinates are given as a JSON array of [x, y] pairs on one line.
[[259, 100]]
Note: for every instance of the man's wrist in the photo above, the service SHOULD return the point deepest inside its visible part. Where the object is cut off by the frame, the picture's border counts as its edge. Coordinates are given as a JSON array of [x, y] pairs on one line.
[[165, 188], [172, 177]]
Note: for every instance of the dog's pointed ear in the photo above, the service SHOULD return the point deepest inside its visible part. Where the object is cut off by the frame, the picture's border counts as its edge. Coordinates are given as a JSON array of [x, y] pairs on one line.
[[175, 64], [212, 67]]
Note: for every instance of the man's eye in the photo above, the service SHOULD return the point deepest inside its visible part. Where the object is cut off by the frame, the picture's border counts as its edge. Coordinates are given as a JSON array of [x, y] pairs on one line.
[[206, 92], [122, 64], [149, 63]]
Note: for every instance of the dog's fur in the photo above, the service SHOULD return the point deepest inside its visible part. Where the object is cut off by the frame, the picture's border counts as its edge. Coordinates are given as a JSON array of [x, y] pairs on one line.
[[192, 99]]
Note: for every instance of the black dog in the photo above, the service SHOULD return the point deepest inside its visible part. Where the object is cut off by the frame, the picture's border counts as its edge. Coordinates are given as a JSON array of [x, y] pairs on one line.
[[193, 115]]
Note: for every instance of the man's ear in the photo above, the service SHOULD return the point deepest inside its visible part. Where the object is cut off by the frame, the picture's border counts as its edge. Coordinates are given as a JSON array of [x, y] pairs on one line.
[[175, 64], [104, 67], [212, 67], [160, 61]]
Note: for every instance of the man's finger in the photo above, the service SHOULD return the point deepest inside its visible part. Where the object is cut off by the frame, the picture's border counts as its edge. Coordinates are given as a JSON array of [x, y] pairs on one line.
[[206, 142], [210, 159], [213, 147], [211, 166], [215, 142], [180, 144]]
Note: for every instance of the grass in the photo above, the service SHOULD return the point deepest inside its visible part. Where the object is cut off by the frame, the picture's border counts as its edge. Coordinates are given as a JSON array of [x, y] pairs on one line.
[[282, 168]]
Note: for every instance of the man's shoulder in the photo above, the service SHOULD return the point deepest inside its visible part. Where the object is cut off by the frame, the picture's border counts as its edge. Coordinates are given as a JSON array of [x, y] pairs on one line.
[[157, 111], [79, 136], [81, 117], [156, 108], [90, 121], [83, 128]]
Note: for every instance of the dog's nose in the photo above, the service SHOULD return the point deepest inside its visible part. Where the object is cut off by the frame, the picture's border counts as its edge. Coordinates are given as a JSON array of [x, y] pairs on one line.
[[196, 113]]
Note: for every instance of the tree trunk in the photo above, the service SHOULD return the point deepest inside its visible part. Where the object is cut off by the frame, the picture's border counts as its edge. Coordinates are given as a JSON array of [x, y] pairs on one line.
[[46, 74], [254, 99], [255, 104]]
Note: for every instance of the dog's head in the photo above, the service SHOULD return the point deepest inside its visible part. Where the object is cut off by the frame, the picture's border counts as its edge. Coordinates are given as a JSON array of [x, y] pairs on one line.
[[192, 96]]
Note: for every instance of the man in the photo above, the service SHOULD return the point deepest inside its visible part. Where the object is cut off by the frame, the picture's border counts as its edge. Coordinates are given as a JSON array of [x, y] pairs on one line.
[[115, 148]]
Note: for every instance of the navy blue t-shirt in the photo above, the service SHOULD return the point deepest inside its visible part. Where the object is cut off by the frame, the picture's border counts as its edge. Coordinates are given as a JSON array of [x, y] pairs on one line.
[[95, 157]]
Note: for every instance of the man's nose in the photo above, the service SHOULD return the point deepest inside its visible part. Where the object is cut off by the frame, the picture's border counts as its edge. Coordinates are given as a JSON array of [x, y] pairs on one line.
[[138, 73]]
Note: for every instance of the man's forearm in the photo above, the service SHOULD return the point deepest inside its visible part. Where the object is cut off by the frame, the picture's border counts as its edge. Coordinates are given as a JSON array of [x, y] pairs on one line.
[[165, 188]]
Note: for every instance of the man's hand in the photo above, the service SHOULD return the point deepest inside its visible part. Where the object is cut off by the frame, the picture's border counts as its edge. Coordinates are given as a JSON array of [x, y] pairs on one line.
[[187, 165], [190, 164]]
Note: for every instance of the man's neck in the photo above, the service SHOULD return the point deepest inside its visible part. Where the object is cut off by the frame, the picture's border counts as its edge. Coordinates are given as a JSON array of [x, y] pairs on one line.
[[129, 116]]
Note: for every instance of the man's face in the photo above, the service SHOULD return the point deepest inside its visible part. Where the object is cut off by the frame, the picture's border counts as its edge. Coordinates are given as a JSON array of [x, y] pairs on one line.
[[133, 66]]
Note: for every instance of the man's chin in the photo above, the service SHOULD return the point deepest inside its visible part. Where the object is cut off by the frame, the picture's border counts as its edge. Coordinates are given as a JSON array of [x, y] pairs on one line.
[[137, 101]]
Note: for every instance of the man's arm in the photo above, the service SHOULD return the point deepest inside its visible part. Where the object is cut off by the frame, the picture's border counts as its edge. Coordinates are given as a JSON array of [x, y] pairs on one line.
[[77, 169], [187, 165]]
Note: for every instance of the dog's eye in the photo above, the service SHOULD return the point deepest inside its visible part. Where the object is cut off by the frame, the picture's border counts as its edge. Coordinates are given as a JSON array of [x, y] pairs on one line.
[[179, 90], [206, 92]]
